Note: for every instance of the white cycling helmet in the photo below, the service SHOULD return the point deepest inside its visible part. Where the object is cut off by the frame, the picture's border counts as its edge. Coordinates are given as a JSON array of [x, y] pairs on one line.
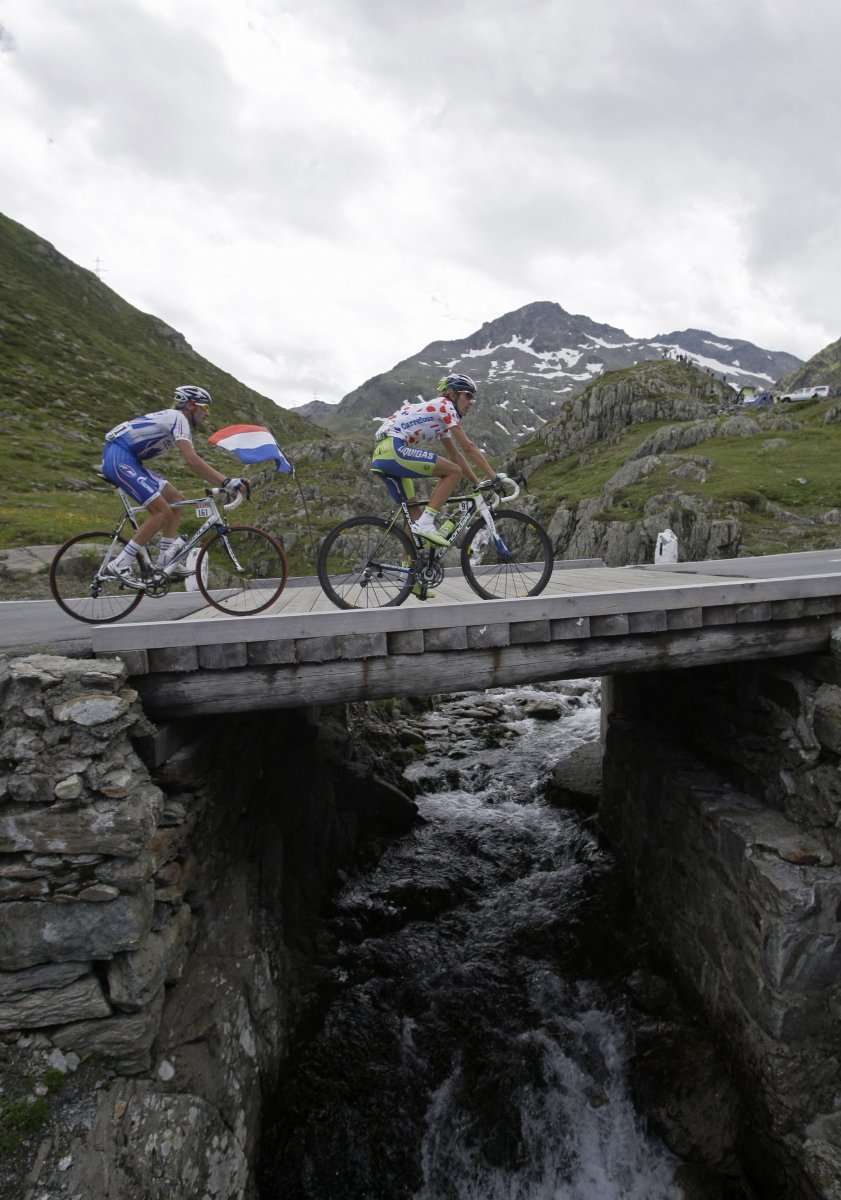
[[183, 395]]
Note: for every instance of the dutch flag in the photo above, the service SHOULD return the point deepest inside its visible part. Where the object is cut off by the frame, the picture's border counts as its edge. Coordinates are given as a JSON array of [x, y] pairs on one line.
[[251, 444]]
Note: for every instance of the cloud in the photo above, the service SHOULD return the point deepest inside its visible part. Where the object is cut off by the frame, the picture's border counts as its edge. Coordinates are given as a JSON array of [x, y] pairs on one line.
[[313, 192]]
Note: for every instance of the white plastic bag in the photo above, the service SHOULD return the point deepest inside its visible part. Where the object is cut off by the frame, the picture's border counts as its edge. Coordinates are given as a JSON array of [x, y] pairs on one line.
[[665, 551]]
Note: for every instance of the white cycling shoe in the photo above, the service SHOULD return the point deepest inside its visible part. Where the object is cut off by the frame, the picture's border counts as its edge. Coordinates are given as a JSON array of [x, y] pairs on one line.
[[180, 573], [124, 573]]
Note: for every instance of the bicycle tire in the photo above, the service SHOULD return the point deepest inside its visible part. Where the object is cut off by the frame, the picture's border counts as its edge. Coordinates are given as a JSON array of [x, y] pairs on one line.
[[519, 564], [251, 580], [77, 588], [365, 563]]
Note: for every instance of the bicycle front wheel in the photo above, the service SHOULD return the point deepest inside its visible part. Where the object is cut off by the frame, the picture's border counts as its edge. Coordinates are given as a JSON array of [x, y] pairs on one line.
[[78, 585], [518, 562], [241, 571], [366, 563]]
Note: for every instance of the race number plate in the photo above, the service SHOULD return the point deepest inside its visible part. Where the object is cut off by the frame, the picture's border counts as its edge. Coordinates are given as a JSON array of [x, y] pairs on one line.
[[466, 505], [204, 510]]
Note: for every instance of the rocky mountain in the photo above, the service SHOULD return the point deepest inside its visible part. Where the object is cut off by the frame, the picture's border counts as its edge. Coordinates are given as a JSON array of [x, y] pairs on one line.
[[662, 445], [529, 363], [823, 368]]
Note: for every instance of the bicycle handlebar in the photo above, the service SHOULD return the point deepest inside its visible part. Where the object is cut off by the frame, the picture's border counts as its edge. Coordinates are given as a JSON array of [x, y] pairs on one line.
[[235, 502], [513, 484], [498, 489]]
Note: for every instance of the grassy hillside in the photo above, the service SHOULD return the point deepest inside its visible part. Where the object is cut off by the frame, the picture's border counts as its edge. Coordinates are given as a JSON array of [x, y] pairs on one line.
[[775, 470], [75, 359]]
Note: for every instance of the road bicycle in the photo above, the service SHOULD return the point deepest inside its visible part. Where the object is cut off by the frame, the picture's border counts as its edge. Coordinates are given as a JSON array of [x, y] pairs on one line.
[[377, 562], [239, 570]]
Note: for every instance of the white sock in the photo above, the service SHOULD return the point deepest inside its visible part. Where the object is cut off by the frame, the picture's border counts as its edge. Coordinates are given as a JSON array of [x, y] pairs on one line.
[[427, 518], [128, 555]]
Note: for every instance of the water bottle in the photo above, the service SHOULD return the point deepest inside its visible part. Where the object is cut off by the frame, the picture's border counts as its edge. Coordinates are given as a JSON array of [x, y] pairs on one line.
[[447, 528], [176, 548]]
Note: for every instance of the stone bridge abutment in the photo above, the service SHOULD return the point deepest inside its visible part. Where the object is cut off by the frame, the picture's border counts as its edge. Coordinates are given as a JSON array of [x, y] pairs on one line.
[[722, 801]]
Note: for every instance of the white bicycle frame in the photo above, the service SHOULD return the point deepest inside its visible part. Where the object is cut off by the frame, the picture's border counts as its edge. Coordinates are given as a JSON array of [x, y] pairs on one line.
[[205, 507], [472, 506]]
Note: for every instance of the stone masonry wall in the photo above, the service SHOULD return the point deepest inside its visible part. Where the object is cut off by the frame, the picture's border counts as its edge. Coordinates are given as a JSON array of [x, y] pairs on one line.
[[722, 800], [155, 924]]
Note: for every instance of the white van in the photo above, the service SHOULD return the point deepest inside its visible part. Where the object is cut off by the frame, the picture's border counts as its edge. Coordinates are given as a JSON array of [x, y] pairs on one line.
[[806, 393]]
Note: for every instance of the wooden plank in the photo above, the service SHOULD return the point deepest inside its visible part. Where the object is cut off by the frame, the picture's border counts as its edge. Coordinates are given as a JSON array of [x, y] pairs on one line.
[[173, 658], [261, 654], [405, 641], [453, 638], [570, 627], [528, 632], [685, 618], [482, 637], [223, 657], [648, 622]]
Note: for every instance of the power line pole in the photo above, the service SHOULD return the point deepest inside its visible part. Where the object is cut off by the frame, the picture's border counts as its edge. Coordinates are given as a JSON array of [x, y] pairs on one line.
[[99, 267]]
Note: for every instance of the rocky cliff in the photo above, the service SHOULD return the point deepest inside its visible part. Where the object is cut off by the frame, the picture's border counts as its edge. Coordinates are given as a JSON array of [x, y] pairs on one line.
[[662, 446]]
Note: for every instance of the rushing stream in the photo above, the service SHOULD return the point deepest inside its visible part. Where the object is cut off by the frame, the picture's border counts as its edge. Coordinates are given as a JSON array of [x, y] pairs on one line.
[[474, 1045]]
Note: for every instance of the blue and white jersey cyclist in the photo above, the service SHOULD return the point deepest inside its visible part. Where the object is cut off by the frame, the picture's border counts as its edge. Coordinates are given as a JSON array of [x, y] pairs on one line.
[[131, 444], [399, 451]]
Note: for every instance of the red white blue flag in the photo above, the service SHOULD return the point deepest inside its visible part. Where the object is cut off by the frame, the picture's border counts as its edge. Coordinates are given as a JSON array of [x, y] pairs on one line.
[[251, 444]]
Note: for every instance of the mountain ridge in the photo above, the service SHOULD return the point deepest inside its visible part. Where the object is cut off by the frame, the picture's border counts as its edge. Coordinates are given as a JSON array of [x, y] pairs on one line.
[[529, 362]]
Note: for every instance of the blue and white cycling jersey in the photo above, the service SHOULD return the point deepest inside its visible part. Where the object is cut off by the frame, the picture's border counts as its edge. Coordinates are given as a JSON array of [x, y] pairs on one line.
[[146, 437]]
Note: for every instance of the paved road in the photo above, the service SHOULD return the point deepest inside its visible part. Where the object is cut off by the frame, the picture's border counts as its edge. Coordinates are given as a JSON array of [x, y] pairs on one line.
[[27, 626]]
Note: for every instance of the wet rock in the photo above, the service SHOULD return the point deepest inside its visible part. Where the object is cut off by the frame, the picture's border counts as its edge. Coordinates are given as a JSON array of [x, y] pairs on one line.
[[541, 710], [681, 1084], [576, 781]]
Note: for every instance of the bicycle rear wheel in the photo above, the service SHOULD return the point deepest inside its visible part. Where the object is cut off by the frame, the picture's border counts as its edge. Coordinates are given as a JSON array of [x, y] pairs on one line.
[[241, 571], [518, 563], [366, 563], [78, 586]]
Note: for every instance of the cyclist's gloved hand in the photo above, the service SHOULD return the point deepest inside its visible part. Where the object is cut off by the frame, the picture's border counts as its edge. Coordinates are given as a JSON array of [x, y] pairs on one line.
[[237, 484]]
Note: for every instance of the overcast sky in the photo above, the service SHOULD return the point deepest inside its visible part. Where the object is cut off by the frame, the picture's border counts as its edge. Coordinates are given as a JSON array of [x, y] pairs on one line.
[[312, 190]]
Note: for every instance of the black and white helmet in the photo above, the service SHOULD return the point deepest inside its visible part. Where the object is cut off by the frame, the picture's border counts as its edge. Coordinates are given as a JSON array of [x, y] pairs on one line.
[[457, 383], [183, 395]]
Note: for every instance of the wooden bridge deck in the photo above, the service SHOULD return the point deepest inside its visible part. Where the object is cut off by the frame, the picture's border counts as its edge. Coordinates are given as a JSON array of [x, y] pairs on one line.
[[306, 596], [590, 620]]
